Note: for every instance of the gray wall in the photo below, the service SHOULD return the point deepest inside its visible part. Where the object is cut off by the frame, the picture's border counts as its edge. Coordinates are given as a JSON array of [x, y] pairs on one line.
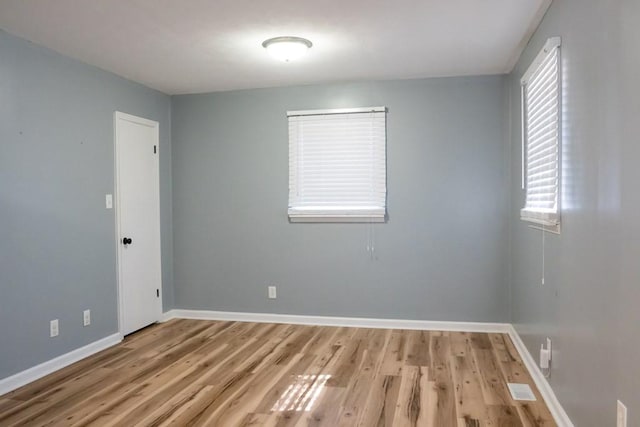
[[442, 254], [588, 305], [57, 240]]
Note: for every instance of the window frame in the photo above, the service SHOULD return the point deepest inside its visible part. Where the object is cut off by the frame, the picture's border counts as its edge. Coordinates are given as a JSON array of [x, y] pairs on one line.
[[339, 214], [541, 217]]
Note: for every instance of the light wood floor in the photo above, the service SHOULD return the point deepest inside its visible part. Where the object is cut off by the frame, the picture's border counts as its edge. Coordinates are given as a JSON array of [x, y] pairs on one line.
[[189, 372]]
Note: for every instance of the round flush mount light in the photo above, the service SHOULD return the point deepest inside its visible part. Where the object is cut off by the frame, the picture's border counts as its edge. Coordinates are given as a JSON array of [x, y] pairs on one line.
[[287, 48]]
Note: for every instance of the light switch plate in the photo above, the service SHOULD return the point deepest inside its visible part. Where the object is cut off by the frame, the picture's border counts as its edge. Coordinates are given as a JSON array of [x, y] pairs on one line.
[[108, 201]]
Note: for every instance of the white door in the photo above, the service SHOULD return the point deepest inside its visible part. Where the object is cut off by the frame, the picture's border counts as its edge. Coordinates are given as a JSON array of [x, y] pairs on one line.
[[137, 222]]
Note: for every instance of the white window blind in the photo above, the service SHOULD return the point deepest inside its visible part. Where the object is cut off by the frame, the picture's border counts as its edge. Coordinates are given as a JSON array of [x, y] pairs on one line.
[[337, 165], [541, 136]]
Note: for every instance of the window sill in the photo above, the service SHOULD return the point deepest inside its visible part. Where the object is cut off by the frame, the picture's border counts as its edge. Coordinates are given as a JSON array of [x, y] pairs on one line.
[[554, 229], [543, 221], [336, 219]]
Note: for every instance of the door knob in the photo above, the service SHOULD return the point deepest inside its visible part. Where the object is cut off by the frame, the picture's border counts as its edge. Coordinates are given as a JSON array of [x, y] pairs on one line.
[[126, 241]]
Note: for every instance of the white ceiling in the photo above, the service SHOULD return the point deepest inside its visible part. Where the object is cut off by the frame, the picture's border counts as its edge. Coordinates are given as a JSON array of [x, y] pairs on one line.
[[189, 46]]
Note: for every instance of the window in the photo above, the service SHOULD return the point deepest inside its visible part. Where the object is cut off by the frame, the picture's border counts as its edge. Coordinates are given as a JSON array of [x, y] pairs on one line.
[[541, 92], [337, 165]]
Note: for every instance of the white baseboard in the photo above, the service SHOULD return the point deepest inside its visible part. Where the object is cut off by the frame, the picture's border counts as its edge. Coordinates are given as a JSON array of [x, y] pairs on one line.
[[558, 412], [25, 377], [354, 322]]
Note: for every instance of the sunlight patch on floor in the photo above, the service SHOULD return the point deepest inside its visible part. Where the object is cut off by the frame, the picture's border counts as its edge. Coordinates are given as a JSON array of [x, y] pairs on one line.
[[301, 394]]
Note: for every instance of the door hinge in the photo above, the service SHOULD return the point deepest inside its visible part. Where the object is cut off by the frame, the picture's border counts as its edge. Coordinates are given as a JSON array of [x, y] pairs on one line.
[[158, 293], [154, 149]]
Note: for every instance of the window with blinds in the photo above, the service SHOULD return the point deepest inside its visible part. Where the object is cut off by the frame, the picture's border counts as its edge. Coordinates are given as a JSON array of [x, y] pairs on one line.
[[541, 92], [337, 165]]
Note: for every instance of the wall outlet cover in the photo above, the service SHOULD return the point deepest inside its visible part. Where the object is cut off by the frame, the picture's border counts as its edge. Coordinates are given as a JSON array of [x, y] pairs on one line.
[[545, 357], [86, 318], [622, 415], [272, 292], [549, 348], [54, 328]]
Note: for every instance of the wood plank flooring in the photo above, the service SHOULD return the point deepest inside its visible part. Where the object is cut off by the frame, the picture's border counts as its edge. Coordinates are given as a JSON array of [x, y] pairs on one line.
[[204, 373]]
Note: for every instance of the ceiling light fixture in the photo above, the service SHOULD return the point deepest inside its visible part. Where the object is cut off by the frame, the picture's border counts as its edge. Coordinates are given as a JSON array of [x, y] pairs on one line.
[[287, 48]]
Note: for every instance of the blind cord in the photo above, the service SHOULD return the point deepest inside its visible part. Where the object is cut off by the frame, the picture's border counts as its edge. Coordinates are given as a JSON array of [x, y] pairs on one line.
[[368, 239], [371, 239], [372, 246], [545, 372], [543, 266]]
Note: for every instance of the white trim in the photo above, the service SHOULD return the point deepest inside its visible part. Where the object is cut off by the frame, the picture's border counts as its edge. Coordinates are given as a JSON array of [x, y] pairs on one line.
[[558, 412], [335, 218], [29, 375], [116, 175], [354, 322], [336, 111], [523, 135], [554, 229], [135, 119], [541, 218], [550, 44]]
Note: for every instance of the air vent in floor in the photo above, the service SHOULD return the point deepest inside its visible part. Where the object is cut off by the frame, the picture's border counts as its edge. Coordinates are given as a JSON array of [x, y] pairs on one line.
[[521, 391]]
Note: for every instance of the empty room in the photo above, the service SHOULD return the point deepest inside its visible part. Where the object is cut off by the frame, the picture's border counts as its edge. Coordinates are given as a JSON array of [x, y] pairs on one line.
[[338, 213]]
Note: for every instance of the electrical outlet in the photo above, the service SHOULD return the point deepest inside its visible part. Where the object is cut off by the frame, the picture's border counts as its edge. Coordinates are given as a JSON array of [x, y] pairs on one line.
[[54, 328], [545, 355], [622, 415], [549, 349], [86, 318], [544, 358], [272, 292]]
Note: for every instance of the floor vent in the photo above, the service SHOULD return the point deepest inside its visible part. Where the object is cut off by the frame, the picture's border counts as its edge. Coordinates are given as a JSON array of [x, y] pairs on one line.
[[521, 391]]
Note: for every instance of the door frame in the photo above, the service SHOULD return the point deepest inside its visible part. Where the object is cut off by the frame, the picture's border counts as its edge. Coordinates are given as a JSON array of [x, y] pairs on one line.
[[117, 115]]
